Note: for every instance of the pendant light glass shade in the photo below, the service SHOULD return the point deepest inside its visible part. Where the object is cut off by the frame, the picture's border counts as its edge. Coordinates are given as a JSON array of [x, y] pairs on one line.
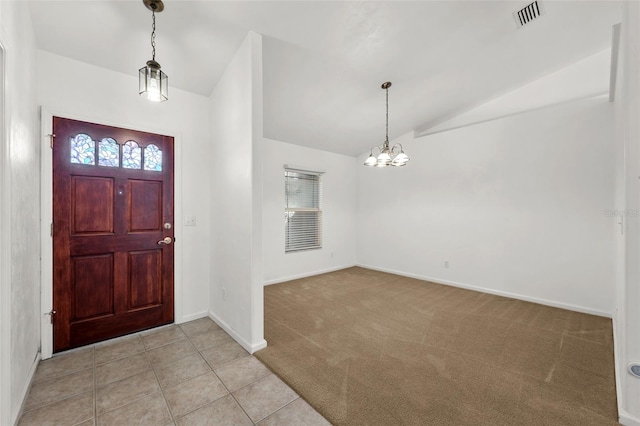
[[384, 160], [388, 156], [153, 83], [371, 160], [400, 159]]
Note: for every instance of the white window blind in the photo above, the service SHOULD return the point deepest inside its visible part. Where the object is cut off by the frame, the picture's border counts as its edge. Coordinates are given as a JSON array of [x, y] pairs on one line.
[[302, 212]]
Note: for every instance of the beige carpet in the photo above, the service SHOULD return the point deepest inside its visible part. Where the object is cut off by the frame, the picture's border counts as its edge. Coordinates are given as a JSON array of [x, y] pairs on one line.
[[370, 348]]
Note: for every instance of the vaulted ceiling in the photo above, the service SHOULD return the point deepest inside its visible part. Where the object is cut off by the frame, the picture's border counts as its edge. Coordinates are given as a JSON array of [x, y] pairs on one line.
[[324, 61]]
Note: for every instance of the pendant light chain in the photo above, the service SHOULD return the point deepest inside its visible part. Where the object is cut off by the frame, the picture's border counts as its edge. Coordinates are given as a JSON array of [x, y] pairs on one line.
[[153, 35], [386, 139]]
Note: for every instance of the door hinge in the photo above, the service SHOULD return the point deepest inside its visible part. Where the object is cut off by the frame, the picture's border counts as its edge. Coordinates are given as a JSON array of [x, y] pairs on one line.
[[51, 231], [51, 137]]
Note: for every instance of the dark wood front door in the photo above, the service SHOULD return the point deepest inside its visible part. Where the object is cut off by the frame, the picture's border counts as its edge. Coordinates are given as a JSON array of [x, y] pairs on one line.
[[112, 232]]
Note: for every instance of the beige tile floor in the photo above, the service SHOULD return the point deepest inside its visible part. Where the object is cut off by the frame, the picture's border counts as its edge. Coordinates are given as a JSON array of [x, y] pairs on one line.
[[188, 374]]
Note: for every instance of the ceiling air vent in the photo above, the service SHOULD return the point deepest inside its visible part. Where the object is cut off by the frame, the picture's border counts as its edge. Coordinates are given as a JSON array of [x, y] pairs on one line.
[[528, 13]]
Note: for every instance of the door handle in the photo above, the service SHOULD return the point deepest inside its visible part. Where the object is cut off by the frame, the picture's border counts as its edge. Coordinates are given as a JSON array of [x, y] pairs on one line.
[[166, 240], [51, 313]]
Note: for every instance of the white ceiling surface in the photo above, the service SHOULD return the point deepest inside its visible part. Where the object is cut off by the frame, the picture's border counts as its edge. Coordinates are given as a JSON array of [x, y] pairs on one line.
[[584, 79], [324, 61]]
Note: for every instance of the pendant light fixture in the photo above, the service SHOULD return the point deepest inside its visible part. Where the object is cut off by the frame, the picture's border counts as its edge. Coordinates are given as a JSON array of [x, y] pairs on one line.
[[387, 156], [152, 82]]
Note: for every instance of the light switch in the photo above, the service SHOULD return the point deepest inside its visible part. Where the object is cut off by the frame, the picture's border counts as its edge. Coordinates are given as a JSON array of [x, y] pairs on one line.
[[189, 221]]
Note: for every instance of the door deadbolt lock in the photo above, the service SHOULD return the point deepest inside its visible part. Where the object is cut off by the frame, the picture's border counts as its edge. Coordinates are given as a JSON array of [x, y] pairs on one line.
[[166, 240], [167, 225]]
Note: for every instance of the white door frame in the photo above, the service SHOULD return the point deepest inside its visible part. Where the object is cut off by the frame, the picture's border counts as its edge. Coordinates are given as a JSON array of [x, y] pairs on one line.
[[46, 215], [5, 249]]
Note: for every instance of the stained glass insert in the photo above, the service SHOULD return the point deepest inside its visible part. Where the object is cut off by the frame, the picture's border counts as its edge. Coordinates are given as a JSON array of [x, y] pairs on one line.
[[131, 155], [83, 150], [108, 153], [153, 158]]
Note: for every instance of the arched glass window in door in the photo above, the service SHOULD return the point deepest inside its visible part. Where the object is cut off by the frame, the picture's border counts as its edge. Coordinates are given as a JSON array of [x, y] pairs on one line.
[[108, 153], [83, 150], [131, 155], [111, 154]]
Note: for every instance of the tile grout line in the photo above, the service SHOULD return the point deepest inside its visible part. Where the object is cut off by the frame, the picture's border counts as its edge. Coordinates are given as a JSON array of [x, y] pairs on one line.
[[219, 379], [187, 338], [180, 359], [235, 399], [281, 408], [54, 402], [56, 378], [129, 402], [173, 419], [153, 368], [223, 384], [74, 395], [46, 404], [200, 406], [251, 383]]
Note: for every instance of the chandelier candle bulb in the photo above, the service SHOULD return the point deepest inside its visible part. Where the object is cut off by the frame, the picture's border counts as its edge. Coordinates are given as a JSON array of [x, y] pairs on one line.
[[394, 156]]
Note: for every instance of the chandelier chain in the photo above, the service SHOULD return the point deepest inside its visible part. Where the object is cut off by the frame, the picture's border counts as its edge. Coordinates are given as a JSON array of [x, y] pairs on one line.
[[153, 35], [387, 118]]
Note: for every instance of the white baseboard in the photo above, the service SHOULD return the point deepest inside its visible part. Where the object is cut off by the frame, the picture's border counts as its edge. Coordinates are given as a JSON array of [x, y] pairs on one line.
[[526, 298], [617, 360], [306, 274], [251, 348], [627, 419], [258, 346], [192, 317], [17, 412]]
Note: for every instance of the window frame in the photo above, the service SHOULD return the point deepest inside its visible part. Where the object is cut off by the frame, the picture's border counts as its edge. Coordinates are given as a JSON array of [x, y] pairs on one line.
[[316, 240]]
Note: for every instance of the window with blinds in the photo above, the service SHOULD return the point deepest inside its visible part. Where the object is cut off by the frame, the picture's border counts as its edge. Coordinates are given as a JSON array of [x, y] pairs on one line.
[[302, 211]]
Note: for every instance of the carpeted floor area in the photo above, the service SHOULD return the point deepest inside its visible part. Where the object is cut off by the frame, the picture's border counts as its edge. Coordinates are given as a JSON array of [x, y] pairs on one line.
[[370, 348]]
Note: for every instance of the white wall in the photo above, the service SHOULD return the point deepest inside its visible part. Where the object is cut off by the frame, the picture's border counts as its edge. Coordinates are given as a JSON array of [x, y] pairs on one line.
[[77, 90], [21, 247], [627, 318], [516, 206], [338, 211], [236, 235]]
